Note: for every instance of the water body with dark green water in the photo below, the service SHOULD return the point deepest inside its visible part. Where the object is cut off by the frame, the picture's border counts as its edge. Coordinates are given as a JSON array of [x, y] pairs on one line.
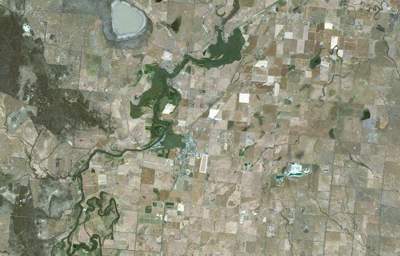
[[161, 93], [163, 138]]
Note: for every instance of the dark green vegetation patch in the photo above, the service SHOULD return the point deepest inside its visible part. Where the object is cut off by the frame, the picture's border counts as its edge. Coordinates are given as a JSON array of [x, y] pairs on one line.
[[235, 9], [365, 115], [156, 98], [161, 92], [58, 109], [222, 52], [176, 24], [23, 224], [315, 61], [332, 134]]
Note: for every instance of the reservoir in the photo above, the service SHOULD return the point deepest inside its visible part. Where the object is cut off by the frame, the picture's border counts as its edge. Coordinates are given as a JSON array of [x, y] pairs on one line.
[[127, 21]]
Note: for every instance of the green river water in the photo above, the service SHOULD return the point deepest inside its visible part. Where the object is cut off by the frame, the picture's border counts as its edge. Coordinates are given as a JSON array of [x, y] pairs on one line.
[[161, 93], [163, 138]]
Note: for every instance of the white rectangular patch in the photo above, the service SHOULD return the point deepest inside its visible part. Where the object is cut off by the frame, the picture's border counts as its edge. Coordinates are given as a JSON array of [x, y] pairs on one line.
[[328, 25], [334, 41], [278, 29], [102, 179], [276, 89], [203, 163], [288, 35], [213, 113], [167, 56], [300, 46], [181, 207], [168, 109], [261, 64], [244, 98]]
